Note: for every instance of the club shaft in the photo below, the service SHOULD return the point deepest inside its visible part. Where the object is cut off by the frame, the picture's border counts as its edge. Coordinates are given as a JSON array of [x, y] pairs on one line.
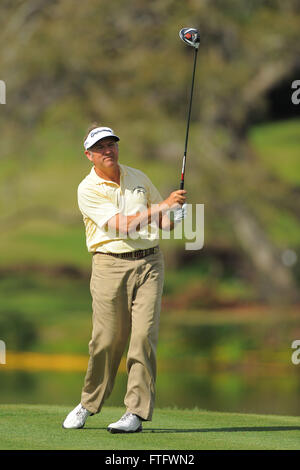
[[188, 122]]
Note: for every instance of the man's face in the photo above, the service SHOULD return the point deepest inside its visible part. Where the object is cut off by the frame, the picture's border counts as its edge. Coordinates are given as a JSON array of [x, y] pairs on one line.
[[104, 154]]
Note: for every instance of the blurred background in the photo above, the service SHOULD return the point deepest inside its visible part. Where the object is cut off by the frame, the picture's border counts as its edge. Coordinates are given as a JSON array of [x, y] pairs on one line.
[[231, 310]]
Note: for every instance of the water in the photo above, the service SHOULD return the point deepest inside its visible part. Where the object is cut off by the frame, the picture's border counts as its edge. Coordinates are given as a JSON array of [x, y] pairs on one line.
[[258, 391]]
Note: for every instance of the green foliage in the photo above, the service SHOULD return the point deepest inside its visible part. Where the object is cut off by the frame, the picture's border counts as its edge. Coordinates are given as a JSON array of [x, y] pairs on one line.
[[18, 332], [277, 146], [54, 306], [124, 65]]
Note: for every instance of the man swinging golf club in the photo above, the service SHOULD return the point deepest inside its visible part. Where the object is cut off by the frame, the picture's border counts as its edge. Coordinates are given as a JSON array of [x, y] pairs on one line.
[[116, 202], [122, 211]]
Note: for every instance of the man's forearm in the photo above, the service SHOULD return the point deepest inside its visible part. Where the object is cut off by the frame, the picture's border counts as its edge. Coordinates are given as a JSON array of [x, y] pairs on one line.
[[165, 223], [130, 223]]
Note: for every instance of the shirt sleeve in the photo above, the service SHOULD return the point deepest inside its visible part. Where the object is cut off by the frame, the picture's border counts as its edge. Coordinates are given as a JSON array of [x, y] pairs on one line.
[[96, 206], [153, 195]]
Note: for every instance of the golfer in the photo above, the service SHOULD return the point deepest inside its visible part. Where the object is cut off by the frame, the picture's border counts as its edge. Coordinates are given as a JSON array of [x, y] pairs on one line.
[[122, 212]]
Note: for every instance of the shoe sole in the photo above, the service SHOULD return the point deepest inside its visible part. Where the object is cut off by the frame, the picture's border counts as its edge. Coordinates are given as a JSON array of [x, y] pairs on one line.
[[120, 431]]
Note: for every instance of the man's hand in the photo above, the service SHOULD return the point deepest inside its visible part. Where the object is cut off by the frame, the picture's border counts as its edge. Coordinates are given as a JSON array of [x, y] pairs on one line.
[[176, 210], [176, 198]]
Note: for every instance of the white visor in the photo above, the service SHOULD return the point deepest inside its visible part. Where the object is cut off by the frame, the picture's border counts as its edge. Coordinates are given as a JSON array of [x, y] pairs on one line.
[[98, 134]]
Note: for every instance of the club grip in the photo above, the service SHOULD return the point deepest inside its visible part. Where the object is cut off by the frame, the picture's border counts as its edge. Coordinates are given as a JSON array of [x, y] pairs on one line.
[[181, 184]]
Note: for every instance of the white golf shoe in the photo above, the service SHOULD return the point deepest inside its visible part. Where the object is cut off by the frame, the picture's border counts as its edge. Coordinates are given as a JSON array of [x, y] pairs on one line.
[[128, 423], [76, 418]]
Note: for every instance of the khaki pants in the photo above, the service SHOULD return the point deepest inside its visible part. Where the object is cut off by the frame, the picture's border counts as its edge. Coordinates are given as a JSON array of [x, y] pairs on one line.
[[126, 302]]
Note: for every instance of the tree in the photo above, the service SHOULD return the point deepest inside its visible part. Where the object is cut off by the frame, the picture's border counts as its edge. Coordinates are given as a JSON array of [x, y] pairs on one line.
[[123, 63]]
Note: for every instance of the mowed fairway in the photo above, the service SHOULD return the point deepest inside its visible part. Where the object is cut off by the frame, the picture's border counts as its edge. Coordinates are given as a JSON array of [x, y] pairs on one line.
[[39, 427]]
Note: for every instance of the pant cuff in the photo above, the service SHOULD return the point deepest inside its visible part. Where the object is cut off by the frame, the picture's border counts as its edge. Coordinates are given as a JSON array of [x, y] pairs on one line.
[[140, 414], [87, 407]]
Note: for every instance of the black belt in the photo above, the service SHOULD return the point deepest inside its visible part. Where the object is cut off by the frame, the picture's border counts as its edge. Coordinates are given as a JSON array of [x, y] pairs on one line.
[[132, 254]]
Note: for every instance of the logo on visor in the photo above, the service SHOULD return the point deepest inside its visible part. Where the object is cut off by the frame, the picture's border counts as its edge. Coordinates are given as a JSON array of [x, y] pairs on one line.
[[101, 130]]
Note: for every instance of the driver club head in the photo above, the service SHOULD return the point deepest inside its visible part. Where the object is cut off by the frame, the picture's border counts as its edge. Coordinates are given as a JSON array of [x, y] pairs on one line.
[[190, 36]]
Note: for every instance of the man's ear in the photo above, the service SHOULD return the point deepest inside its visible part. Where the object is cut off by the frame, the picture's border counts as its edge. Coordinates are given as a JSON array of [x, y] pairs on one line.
[[89, 155]]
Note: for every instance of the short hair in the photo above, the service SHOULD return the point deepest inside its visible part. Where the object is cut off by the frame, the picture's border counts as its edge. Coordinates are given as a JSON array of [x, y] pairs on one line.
[[91, 127]]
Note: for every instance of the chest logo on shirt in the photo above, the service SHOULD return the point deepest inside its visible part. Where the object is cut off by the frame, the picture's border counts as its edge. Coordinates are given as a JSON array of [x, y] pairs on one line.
[[139, 190]]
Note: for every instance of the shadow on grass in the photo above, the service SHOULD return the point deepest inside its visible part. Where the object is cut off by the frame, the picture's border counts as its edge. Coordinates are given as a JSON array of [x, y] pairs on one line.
[[235, 429]]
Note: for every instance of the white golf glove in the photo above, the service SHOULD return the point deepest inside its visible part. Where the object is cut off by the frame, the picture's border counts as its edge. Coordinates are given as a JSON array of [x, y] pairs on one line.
[[180, 214]]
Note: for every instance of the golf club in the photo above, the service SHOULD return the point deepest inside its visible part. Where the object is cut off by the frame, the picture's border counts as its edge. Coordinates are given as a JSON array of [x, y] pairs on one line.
[[190, 36]]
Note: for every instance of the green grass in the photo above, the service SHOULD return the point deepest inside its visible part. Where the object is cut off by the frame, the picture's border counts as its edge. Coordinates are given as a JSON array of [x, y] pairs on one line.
[[39, 427]]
